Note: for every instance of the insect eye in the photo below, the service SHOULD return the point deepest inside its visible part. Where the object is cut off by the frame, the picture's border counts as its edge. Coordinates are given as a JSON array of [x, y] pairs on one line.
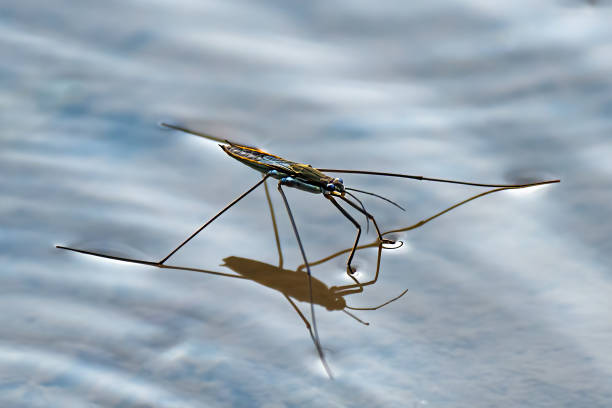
[[330, 187], [340, 181]]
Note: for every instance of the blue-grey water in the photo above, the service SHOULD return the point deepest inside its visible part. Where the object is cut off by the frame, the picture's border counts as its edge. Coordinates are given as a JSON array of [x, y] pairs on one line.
[[509, 296]]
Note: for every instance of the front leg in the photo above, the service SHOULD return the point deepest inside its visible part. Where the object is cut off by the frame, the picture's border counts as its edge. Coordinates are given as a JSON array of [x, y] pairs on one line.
[[371, 217], [349, 268]]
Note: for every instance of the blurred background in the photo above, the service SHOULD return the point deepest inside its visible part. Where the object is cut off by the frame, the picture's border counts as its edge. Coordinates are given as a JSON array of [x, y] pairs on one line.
[[509, 296]]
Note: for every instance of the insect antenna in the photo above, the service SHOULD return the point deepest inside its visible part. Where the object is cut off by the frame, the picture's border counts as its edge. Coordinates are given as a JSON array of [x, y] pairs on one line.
[[379, 306], [467, 183], [375, 195], [356, 318], [363, 207], [314, 333]]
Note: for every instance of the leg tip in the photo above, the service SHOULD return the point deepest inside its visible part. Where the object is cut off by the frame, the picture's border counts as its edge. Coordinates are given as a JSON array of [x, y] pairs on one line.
[[390, 242]]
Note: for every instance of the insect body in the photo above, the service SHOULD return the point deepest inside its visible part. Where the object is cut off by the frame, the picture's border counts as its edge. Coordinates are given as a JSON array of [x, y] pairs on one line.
[[307, 178], [303, 177], [291, 174]]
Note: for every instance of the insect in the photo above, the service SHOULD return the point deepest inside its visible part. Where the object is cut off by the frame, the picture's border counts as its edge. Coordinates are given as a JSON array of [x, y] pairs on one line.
[[313, 180]]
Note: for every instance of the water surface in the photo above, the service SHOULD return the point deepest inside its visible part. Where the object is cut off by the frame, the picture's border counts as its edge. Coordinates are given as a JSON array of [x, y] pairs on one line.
[[509, 295]]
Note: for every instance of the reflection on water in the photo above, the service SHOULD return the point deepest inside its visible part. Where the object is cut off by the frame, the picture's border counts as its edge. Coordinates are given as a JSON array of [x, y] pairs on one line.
[[509, 298], [300, 285]]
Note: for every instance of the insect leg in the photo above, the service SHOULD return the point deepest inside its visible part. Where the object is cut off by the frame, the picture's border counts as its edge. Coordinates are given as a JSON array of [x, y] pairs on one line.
[[150, 263], [113, 257], [362, 206], [275, 227], [299, 312], [315, 335], [452, 207], [349, 269], [467, 183], [348, 289], [341, 291], [370, 216], [227, 207], [336, 254]]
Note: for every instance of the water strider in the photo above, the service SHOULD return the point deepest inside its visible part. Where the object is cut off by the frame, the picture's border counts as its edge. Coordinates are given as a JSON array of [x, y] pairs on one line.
[[307, 178]]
